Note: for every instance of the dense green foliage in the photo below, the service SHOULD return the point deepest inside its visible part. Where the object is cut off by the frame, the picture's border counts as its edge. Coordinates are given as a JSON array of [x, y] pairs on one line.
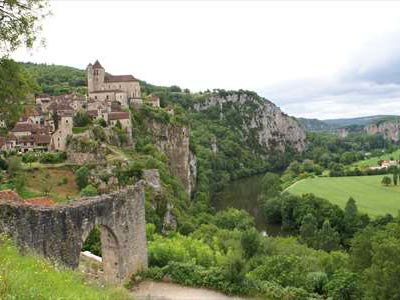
[[56, 80], [15, 87]]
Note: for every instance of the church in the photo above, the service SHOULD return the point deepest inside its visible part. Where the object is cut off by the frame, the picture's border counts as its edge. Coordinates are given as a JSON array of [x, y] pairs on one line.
[[108, 88]]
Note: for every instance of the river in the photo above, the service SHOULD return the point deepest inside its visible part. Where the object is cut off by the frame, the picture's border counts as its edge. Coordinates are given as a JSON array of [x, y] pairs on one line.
[[244, 194]]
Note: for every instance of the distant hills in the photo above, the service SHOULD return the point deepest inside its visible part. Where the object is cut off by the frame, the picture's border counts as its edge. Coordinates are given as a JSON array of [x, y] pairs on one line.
[[333, 124]]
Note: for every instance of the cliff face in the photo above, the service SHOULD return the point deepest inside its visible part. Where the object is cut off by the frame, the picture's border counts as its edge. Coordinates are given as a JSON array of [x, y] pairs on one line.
[[173, 141], [258, 119], [390, 130]]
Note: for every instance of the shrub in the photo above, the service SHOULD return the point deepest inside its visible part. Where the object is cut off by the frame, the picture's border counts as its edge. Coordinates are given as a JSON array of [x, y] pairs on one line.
[[53, 158], [81, 177], [81, 119], [234, 219], [89, 191]]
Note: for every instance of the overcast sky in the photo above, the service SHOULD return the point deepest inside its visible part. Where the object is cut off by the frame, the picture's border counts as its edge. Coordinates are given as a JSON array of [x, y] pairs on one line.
[[313, 59]]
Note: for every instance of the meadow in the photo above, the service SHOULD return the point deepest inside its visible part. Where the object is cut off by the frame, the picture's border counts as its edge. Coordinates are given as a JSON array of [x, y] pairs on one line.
[[373, 161], [371, 196]]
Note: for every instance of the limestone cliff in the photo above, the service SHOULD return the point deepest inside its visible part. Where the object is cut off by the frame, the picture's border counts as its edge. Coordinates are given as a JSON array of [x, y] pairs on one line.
[[389, 129], [173, 141], [258, 119]]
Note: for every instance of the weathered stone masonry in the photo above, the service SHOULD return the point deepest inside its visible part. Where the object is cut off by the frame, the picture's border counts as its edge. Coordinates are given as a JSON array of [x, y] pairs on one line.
[[58, 232]]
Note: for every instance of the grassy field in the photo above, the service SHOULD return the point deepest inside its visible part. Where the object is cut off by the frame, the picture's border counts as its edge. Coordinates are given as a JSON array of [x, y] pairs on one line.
[[30, 277], [370, 195], [374, 160]]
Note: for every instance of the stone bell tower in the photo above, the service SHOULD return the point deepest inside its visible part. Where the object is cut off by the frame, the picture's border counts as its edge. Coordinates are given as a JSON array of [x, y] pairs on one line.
[[95, 76]]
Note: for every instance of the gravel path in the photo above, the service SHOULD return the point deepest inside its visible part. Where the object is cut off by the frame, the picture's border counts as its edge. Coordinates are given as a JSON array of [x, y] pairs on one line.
[[149, 290]]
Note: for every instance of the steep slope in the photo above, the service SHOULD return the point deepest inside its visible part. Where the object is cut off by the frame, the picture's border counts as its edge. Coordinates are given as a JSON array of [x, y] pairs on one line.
[[260, 122], [389, 129]]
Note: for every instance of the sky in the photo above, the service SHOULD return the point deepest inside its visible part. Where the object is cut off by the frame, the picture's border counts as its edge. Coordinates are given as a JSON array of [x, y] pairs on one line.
[[313, 59]]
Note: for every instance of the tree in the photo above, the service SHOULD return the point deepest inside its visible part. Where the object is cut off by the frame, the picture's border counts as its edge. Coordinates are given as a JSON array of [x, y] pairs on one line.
[[351, 218], [47, 184], [271, 185], [308, 230], [29, 158], [81, 119], [15, 86], [20, 23], [328, 238], [386, 180], [251, 242], [13, 166], [81, 177], [395, 175]]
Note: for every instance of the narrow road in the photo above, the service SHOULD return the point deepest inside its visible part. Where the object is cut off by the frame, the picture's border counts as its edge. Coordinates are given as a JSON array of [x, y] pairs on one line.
[[149, 290]]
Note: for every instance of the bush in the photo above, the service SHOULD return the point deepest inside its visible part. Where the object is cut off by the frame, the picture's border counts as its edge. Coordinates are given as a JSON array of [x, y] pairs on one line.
[[234, 219], [81, 119], [53, 158], [81, 177], [89, 191]]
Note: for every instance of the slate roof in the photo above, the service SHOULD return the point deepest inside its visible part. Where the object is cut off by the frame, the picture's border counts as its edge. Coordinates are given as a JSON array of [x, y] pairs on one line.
[[97, 65]]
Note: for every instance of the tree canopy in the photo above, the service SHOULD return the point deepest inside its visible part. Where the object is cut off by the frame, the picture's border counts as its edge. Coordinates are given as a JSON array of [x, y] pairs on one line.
[[20, 23]]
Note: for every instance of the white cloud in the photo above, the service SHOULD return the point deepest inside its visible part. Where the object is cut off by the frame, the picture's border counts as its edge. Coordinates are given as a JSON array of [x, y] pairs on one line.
[[225, 44]]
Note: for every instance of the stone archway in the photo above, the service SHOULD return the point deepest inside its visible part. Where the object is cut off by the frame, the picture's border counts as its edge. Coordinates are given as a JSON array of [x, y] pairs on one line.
[[58, 232]]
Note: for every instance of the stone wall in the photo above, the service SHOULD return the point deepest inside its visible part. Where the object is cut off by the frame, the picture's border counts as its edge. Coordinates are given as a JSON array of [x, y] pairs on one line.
[[58, 232]]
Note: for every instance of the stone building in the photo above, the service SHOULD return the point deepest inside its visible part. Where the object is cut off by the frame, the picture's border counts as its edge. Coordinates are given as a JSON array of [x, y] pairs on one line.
[[123, 117], [59, 138], [106, 87]]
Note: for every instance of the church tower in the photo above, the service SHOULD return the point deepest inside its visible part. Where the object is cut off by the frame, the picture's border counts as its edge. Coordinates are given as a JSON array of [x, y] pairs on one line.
[[95, 76]]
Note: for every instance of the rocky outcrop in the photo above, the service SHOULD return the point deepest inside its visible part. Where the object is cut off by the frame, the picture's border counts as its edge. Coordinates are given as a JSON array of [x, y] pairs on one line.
[[259, 120], [390, 130], [173, 141]]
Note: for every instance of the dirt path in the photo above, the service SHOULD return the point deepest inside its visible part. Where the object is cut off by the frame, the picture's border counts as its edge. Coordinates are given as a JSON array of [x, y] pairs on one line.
[[149, 290]]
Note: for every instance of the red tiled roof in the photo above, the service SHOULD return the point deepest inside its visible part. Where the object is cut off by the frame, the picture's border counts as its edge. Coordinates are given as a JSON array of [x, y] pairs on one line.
[[118, 115], [10, 195], [42, 139], [119, 78], [22, 127]]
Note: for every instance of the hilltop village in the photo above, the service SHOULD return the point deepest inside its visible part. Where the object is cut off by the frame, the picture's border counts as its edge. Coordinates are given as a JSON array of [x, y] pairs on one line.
[[49, 124]]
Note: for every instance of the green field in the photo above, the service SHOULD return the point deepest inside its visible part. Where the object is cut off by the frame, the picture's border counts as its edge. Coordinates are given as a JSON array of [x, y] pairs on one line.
[[373, 161], [371, 197]]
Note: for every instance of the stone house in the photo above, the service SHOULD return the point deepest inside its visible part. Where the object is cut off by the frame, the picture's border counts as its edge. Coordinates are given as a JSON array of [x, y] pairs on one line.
[[59, 138], [105, 87], [123, 117], [153, 100]]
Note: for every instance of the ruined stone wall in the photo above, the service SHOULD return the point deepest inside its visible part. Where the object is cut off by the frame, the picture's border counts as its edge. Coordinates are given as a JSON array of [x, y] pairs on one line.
[[58, 232]]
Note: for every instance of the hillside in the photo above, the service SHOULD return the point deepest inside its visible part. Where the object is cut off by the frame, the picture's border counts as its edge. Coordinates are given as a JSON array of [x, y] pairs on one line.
[[30, 277]]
